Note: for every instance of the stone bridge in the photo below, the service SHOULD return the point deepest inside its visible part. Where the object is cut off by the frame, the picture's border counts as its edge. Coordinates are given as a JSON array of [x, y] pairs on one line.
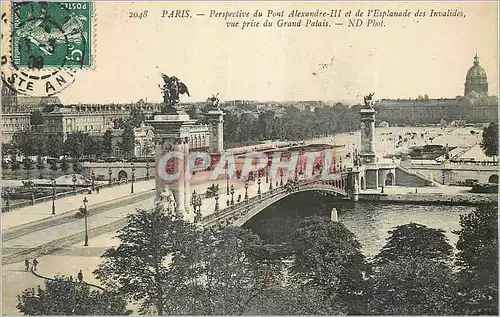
[[240, 213]]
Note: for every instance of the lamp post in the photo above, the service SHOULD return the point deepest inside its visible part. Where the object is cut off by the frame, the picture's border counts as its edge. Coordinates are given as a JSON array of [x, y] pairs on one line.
[[258, 188], [74, 183], [93, 180], [32, 189], [281, 176], [53, 195], [232, 195], [7, 198], [110, 172], [246, 189], [85, 213], [216, 202], [147, 170], [133, 177], [227, 178], [193, 200]]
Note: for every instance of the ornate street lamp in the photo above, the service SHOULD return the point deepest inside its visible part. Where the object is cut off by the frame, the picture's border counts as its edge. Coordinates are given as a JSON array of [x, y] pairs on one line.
[[110, 172], [193, 200], [281, 180], [93, 180], [232, 195], [133, 177], [216, 202], [53, 195], [74, 183], [227, 178], [147, 170], [258, 188], [85, 213], [246, 189], [197, 203]]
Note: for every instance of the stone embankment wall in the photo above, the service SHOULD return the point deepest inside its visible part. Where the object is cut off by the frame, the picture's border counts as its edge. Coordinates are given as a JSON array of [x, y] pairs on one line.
[[433, 199]]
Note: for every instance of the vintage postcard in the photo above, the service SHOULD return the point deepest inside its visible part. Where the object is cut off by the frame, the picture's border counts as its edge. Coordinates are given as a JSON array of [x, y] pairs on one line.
[[245, 157]]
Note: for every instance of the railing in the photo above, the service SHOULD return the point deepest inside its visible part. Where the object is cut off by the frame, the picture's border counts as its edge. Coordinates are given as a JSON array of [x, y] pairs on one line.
[[69, 193], [246, 204]]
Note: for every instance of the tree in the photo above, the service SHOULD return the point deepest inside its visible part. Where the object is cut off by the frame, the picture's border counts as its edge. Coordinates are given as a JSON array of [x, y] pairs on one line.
[[40, 165], [63, 296], [74, 145], [77, 167], [414, 240], [222, 273], [14, 166], [23, 141], [107, 143], [136, 118], [53, 166], [328, 256], [64, 165], [5, 166], [56, 145], [413, 286], [36, 118], [489, 144], [137, 268], [28, 166], [477, 261], [127, 143]]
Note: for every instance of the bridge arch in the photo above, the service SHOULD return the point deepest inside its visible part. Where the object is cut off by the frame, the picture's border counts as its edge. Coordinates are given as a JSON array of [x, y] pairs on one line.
[[122, 175], [493, 179], [247, 211]]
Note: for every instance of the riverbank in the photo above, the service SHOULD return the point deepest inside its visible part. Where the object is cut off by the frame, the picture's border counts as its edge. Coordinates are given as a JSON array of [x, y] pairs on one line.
[[465, 199]]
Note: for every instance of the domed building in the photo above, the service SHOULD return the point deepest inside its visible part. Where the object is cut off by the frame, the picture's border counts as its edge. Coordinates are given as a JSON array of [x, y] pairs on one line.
[[476, 81], [475, 106]]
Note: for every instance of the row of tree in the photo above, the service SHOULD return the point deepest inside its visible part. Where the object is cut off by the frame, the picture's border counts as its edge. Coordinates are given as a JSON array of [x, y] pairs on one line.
[[242, 127], [77, 145], [29, 165], [165, 265]]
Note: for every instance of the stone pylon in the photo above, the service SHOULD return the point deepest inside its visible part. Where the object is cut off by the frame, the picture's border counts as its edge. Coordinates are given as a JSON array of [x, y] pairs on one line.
[[367, 153], [172, 136], [216, 124]]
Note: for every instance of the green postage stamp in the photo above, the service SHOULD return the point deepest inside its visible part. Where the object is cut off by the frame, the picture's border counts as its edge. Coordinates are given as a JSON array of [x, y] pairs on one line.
[[52, 34]]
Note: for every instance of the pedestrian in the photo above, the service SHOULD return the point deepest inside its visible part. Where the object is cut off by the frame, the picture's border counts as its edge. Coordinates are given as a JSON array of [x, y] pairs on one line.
[[227, 202], [26, 264], [80, 276], [97, 189], [35, 263]]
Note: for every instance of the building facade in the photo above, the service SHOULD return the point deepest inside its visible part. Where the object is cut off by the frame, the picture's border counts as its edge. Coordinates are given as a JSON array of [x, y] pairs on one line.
[[476, 106], [17, 109]]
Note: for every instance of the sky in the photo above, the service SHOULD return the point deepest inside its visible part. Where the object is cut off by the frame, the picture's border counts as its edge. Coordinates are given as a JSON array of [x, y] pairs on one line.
[[405, 58]]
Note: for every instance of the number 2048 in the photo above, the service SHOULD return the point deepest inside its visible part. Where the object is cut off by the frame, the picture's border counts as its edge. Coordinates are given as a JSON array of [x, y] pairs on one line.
[[138, 15]]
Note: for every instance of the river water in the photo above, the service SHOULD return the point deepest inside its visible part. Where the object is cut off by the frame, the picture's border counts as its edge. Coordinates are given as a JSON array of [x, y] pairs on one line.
[[369, 221]]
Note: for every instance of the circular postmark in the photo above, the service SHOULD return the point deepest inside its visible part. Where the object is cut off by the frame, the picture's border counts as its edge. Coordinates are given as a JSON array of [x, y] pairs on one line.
[[47, 43]]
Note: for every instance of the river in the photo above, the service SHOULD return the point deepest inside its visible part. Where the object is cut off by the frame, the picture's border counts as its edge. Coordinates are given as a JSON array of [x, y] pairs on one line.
[[369, 221]]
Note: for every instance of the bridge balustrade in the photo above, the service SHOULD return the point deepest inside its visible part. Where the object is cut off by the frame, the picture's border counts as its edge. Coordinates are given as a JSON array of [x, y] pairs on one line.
[[224, 216]]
